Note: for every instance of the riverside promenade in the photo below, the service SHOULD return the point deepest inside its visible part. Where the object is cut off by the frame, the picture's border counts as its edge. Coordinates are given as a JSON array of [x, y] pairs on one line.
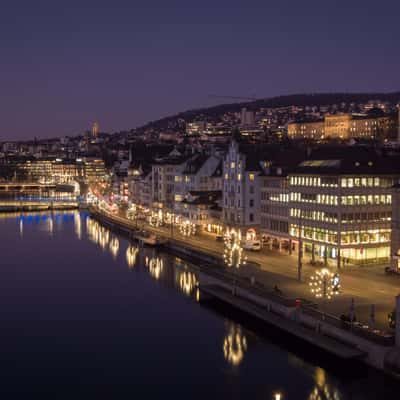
[[248, 293], [365, 284]]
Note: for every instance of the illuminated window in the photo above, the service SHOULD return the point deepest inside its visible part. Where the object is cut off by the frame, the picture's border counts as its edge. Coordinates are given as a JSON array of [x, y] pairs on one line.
[[232, 165], [251, 177], [239, 177], [363, 181], [226, 176]]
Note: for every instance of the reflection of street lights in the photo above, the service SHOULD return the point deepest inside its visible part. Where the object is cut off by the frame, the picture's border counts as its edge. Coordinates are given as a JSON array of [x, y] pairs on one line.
[[235, 345], [131, 254], [187, 282], [155, 265], [322, 390], [114, 246], [324, 284]]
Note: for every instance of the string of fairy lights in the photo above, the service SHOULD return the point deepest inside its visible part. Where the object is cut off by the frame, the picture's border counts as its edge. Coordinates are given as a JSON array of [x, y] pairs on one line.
[[187, 228], [233, 250], [324, 284]]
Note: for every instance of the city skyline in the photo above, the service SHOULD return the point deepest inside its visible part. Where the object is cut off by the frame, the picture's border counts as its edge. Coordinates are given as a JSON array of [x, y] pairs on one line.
[[66, 67]]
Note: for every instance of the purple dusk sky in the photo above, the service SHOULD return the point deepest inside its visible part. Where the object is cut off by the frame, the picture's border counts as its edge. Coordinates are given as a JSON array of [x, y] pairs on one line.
[[67, 64]]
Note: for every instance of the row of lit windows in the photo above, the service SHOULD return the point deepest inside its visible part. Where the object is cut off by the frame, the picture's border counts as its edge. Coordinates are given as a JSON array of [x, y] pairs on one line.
[[366, 182], [345, 217], [239, 177], [280, 197], [383, 199], [314, 215], [314, 198], [366, 217], [370, 236], [366, 200], [344, 182], [313, 181], [353, 237], [322, 235]]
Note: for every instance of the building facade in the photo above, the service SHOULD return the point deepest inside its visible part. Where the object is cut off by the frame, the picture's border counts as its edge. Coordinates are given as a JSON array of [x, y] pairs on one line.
[[341, 209], [346, 126], [241, 188]]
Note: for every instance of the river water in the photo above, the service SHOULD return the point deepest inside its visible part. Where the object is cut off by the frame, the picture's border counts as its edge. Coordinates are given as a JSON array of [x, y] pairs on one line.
[[85, 314]]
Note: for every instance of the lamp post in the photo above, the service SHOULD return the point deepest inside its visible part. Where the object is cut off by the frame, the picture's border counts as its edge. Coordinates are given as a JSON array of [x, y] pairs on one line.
[[172, 224], [300, 252]]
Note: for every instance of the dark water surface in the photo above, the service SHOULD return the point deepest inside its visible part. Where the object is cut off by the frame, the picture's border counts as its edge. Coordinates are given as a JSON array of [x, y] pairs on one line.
[[80, 318]]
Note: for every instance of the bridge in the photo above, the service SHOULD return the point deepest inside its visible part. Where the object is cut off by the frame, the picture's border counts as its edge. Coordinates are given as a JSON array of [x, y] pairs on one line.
[[37, 204], [25, 186]]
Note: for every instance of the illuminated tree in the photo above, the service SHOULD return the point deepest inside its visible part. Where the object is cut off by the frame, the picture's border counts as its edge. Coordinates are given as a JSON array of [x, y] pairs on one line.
[[325, 284], [233, 250], [156, 218], [187, 228]]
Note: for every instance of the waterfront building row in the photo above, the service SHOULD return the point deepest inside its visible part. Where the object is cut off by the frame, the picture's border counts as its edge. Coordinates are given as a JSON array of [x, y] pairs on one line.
[[333, 204]]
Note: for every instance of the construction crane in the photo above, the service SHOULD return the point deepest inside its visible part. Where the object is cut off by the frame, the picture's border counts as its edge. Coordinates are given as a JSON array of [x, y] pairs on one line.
[[233, 97]]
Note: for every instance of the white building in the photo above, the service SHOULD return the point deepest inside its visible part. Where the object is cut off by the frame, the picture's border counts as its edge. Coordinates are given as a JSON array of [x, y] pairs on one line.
[[242, 168], [341, 205]]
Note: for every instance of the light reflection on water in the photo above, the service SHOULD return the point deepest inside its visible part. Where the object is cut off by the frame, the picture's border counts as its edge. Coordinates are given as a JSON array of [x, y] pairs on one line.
[[235, 344], [131, 255], [322, 390], [155, 266], [237, 347]]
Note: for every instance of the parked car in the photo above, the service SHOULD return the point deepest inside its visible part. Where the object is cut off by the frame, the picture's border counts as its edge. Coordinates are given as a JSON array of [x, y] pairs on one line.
[[254, 245], [219, 238]]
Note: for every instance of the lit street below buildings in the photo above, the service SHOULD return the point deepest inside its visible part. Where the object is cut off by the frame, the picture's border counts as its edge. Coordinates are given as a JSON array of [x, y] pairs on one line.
[[366, 284]]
